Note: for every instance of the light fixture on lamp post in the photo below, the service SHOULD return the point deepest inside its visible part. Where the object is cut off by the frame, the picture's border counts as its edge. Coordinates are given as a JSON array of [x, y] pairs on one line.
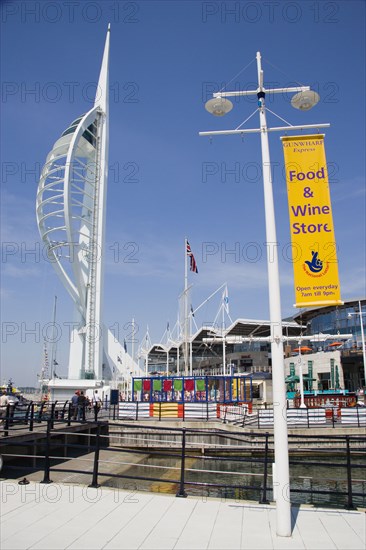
[[219, 106], [359, 312]]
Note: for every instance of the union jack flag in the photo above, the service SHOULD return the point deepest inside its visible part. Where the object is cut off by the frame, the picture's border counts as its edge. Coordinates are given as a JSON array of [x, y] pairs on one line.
[[193, 265]]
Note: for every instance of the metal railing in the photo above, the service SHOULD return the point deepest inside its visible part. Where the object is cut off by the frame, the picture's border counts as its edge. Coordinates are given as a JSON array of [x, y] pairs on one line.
[[32, 415], [234, 465]]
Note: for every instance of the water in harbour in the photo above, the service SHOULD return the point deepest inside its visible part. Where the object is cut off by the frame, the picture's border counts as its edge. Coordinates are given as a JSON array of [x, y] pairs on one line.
[[243, 480]]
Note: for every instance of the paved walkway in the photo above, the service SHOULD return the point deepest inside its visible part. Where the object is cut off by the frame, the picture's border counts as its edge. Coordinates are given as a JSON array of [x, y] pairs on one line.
[[60, 516]]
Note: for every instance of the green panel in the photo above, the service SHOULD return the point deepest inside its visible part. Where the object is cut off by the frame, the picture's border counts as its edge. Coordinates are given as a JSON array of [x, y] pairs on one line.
[[157, 385], [137, 385], [178, 385], [200, 385]]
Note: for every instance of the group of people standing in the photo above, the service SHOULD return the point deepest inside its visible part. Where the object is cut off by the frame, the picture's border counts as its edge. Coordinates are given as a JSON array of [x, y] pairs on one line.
[[80, 403]]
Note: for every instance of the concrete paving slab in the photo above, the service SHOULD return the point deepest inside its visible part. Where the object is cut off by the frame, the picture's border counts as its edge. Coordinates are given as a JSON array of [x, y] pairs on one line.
[[62, 516], [198, 529], [167, 531]]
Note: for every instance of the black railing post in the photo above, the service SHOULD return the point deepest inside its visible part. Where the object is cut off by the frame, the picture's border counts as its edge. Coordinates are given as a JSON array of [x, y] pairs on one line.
[[181, 493], [332, 417], [40, 412], [53, 408], [263, 499], [137, 410], [207, 415], [69, 413], [307, 414], [31, 421], [7, 421], [46, 476], [64, 410], [94, 482], [358, 417], [159, 410], [349, 505], [114, 412], [224, 421]]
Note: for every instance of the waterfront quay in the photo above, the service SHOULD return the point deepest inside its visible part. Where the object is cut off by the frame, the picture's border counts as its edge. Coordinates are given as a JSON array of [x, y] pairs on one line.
[[115, 484], [60, 516]]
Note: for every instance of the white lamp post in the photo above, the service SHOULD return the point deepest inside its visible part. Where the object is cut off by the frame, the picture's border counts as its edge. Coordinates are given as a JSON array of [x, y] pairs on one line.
[[362, 335], [219, 106]]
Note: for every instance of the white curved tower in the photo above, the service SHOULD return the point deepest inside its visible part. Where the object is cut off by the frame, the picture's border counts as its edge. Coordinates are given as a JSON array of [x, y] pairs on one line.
[[71, 204]]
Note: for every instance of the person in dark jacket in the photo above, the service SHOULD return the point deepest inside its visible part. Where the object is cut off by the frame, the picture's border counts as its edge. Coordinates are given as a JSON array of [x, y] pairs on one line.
[[74, 404], [81, 407]]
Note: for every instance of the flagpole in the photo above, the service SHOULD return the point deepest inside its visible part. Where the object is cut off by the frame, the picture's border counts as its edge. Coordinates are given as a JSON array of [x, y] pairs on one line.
[[178, 345], [167, 350], [190, 344], [133, 345], [185, 306], [146, 351]]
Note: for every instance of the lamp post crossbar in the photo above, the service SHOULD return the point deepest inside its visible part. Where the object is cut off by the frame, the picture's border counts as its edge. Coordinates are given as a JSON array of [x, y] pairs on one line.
[[259, 130], [290, 90]]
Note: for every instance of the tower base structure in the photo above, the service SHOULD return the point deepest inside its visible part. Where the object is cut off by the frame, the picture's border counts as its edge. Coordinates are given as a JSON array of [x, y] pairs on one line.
[[118, 369]]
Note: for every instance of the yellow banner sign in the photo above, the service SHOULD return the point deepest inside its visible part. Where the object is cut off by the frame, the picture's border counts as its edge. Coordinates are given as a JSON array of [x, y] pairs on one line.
[[314, 249]]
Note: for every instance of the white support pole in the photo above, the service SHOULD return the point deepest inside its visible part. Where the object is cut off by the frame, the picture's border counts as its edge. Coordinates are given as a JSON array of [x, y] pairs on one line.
[[223, 339], [133, 344], [53, 347], [362, 339], [283, 504]]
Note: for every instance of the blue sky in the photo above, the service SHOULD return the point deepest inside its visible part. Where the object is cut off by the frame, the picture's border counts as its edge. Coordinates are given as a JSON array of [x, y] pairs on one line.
[[166, 182]]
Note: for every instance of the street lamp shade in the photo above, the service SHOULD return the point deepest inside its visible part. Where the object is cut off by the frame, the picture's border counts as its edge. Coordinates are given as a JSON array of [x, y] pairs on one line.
[[305, 100], [218, 106]]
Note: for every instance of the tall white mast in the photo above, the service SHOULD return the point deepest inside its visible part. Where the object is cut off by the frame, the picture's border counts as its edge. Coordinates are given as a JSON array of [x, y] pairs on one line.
[[53, 346], [71, 216]]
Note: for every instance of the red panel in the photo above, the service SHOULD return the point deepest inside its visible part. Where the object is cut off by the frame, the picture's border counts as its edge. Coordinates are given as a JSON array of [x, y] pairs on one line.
[[189, 385], [167, 385]]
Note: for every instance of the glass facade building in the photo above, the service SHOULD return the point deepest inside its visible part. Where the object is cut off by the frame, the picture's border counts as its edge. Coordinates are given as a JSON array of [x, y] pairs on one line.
[[345, 319]]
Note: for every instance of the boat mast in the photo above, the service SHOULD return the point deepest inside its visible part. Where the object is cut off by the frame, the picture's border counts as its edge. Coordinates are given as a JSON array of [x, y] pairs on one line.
[[53, 347]]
